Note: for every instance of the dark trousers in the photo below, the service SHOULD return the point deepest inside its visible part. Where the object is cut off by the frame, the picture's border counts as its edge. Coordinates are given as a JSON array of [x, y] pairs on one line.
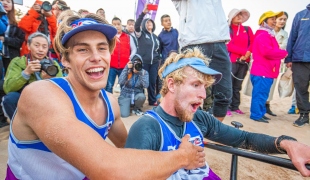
[[111, 79], [9, 104], [301, 78], [152, 69], [238, 72], [222, 91]]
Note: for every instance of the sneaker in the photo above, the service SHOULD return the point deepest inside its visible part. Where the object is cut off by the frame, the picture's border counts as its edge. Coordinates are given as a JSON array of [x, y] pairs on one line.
[[302, 120], [292, 110], [137, 112], [228, 113], [238, 111], [117, 89]]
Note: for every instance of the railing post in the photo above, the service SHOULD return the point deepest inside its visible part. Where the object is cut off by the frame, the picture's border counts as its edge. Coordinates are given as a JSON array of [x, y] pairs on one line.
[[234, 158]]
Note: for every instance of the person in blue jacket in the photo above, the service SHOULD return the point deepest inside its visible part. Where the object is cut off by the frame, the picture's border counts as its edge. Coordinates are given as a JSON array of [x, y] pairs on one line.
[[298, 48]]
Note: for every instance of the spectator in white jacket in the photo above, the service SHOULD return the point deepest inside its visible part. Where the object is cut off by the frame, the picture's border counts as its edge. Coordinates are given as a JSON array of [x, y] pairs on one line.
[[203, 23]]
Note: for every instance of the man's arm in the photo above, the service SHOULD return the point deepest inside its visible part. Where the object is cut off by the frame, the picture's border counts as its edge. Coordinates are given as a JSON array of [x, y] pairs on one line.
[[133, 48], [14, 80], [118, 132], [292, 39], [299, 154], [58, 128], [216, 131], [29, 20]]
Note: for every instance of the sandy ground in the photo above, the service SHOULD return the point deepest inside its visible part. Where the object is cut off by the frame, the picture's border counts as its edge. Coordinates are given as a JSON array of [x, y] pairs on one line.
[[220, 162]]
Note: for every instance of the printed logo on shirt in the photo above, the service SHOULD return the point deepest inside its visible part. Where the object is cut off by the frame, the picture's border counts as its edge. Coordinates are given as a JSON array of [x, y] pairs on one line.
[[196, 140], [172, 148], [304, 19]]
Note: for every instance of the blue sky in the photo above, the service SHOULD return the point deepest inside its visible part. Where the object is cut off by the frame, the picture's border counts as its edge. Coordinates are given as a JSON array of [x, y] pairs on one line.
[[124, 9]]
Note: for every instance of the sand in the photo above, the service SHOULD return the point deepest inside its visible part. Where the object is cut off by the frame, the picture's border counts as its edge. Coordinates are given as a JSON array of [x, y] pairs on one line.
[[220, 162]]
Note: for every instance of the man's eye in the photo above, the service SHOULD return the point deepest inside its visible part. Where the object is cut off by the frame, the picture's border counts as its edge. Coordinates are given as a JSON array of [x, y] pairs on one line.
[[82, 50]]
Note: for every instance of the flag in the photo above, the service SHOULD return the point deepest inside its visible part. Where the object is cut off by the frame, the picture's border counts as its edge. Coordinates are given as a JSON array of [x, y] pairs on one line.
[[151, 14]]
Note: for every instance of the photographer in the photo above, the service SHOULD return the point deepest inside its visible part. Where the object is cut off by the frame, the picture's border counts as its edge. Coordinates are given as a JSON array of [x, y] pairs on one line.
[[133, 80], [27, 69], [39, 19]]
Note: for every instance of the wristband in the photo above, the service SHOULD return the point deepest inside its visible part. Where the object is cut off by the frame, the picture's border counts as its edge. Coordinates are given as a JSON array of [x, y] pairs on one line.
[[281, 138]]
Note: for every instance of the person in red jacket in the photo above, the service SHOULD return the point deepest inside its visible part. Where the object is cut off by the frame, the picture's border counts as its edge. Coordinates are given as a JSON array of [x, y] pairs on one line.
[[239, 48], [40, 20], [124, 49]]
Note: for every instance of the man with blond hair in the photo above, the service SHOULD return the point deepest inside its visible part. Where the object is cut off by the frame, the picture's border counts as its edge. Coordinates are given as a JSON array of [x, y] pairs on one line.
[[185, 77], [59, 129]]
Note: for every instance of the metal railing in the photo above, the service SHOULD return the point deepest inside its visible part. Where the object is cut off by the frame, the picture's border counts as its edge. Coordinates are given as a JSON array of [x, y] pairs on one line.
[[278, 161]]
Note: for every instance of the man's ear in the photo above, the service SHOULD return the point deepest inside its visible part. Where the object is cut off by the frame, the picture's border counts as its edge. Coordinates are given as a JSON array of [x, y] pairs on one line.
[[171, 85], [65, 63]]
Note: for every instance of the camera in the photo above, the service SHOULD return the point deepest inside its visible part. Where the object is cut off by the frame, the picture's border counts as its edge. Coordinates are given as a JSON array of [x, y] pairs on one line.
[[2, 10], [49, 67], [46, 6], [137, 65]]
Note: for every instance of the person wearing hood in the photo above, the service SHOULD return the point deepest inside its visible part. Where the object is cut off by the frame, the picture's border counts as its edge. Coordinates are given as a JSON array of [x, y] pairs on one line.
[[133, 80], [149, 50], [267, 57], [239, 49]]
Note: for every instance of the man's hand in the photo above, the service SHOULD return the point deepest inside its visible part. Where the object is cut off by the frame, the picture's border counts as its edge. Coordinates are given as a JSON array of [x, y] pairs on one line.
[[46, 13], [247, 55], [44, 75], [33, 66], [299, 154], [289, 65], [2, 38], [145, 10], [129, 64], [194, 156], [243, 58]]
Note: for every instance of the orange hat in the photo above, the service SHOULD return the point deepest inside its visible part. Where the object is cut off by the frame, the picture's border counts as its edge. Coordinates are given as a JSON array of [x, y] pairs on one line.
[[38, 2]]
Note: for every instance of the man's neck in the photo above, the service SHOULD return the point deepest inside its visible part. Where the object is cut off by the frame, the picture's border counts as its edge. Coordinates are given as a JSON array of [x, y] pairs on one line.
[[168, 106], [168, 29], [86, 97]]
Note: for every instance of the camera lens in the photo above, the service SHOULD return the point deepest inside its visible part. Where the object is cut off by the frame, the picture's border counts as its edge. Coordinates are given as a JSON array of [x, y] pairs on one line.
[[48, 67], [46, 6], [138, 66], [52, 70]]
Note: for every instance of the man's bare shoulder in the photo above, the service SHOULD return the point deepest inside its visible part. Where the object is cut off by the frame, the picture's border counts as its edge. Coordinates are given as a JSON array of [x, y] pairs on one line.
[[114, 103]]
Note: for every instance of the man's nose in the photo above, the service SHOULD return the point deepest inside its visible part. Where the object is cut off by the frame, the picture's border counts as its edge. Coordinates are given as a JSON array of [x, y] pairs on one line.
[[95, 56], [202, 93]]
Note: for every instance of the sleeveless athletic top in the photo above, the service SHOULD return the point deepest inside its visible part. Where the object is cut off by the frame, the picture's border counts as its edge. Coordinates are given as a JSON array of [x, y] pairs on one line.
[[33, 160], [170, 141]]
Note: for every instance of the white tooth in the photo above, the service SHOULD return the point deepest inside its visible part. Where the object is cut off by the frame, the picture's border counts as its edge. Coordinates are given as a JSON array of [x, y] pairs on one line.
[[95, 70]]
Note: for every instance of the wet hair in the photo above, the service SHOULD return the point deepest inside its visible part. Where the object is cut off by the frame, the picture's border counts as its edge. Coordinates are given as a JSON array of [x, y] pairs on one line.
[[37, 34], [163, 16], [64, 27], [179, 75], [116, 19]]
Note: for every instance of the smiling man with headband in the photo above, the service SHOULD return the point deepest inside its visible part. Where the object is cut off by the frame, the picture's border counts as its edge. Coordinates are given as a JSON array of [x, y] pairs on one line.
[[185, 78], [59, 129]]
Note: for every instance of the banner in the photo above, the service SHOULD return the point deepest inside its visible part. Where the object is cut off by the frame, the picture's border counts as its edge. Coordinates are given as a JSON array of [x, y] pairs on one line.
[[151, 14]]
